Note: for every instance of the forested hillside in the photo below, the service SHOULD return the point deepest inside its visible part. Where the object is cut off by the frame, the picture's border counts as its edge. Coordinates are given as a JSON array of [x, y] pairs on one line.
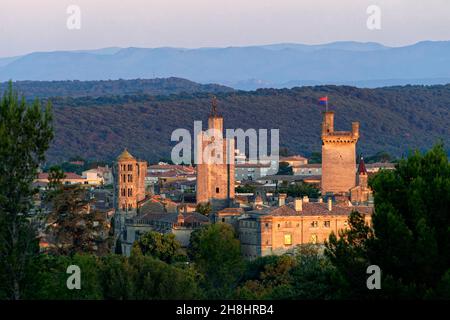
[[163, 86], [393, 119]]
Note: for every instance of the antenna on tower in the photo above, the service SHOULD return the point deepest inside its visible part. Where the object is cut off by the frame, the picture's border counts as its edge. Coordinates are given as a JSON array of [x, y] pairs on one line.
[[214, 106]]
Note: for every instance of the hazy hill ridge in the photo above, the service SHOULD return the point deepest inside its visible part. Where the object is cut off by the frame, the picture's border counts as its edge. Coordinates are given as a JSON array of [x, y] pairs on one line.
[[279, 65]]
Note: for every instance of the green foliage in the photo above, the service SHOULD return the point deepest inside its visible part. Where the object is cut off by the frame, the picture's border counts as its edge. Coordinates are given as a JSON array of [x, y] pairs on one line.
[[75, 227], [204, 208], [161, 246], [154, 279], [313, 276], [380, 156], [307, 274], [273, 279], [111, 277], [348, 253], [246, 188], [284, 169], [411, 223], [216, 252], [25, 134], [50, 278], [315, 157], [68, 88], [116, 277], [300, 189]]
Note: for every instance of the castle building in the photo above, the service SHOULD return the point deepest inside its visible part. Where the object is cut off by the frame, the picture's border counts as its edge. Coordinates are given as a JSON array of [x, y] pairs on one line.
[[280, 229], [338, 157], [130, 181], [215, 168]]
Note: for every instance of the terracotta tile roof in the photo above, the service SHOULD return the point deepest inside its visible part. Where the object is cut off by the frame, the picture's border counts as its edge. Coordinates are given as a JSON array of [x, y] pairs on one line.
[[362, 166], [311, 209], [308, 166], [293, 158], [187, 169], [68, 176], [230, 211], [376, 165], [125, 155], [252, 165]]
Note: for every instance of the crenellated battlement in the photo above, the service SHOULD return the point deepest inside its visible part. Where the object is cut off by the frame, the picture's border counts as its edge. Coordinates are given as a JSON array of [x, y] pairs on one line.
[[338, 156]]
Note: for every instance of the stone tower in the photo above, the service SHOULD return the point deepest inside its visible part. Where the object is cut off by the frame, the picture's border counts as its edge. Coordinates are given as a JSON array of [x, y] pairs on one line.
[[361, 178], [361, 192], [215, 168], [338, 156], [130, 181]]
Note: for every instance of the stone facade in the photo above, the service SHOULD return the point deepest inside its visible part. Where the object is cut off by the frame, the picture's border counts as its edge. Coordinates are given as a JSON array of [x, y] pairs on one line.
[[215, 169], [130, 181], [338, 156], [278, 230]]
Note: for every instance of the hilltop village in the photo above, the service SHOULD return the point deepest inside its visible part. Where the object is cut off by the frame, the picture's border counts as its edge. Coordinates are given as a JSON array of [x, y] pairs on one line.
[[271, 213]]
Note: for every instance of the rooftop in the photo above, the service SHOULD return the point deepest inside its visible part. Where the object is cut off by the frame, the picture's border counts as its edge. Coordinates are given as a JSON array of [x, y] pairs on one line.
[[311, 209], [125, 155]]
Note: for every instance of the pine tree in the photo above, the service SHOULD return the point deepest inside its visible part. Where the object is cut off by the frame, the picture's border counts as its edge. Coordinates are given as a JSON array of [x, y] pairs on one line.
[[25, 134]]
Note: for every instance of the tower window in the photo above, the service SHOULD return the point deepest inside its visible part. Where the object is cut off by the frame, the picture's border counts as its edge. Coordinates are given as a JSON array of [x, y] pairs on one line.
[[130, 167], [287, 239], [217, 190], [130, 178], [130, 192]]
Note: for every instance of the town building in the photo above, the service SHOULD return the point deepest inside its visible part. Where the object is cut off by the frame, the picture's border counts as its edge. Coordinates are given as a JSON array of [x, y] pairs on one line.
[[251, 171], [309, 169], [279, 229], [69, 179], [160, 215], [294, 160]]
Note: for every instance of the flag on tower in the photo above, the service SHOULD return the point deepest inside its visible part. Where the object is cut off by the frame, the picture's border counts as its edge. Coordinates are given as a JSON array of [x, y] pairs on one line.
[[323, 100]]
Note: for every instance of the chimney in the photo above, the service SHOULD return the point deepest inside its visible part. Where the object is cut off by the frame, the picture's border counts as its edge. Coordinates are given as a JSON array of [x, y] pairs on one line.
[[281, 199], [330, 204], [298, 204], [305, 199]]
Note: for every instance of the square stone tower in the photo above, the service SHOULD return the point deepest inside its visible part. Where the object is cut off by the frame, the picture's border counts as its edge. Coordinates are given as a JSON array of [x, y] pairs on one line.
[[130, 181], [338, 156], [215, 168]]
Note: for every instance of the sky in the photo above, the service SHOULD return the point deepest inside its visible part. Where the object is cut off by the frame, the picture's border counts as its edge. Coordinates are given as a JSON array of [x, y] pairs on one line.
[[41, 25]]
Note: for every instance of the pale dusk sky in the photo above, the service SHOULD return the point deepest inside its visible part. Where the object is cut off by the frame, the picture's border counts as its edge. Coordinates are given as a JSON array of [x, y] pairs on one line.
[[40, 25]]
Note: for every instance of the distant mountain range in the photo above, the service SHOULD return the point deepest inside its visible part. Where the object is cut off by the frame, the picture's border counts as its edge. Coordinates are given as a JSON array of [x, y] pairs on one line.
[[276, 66]]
